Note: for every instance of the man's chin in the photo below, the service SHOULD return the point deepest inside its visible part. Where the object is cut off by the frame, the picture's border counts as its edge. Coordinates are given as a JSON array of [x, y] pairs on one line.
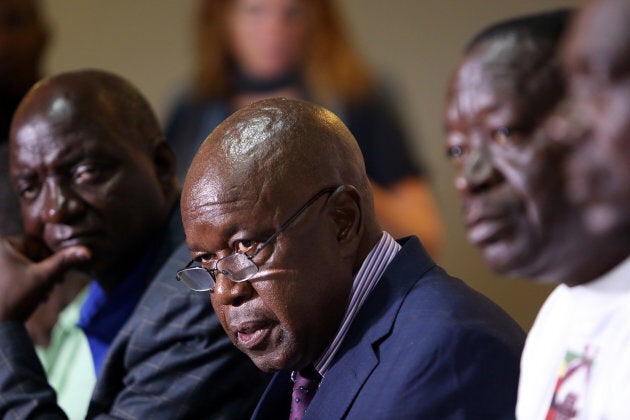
[[273, 361], [267, 364]]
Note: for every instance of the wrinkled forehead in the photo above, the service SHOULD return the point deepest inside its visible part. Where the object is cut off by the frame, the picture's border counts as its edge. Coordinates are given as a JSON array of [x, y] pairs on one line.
[[493, 65], [483, 82], [214, 196], [56, 128], [39, 141], [220, 173]]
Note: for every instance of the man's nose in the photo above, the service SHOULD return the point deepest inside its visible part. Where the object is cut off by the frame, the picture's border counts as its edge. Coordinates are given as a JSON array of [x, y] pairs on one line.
[[477, 173], [229, 293], [60, 203]]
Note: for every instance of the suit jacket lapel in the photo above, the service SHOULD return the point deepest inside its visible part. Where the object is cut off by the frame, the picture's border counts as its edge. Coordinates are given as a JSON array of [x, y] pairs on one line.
[[357, 357]]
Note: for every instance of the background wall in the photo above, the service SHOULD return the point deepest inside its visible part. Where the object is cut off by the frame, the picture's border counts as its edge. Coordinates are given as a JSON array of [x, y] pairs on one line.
[[415, 43]]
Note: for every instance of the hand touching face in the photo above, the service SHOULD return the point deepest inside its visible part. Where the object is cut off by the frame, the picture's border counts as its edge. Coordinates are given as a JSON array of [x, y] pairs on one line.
[[26, 283]]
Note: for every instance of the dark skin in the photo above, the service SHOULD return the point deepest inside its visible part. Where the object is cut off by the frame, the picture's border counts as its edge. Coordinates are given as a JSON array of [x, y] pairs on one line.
[[596, 58], [20, 298], [96, 184], [253, 172], [506, 171]]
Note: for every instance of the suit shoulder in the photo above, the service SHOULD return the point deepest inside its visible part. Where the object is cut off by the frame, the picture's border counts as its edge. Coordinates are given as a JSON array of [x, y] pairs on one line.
[[438, 301]]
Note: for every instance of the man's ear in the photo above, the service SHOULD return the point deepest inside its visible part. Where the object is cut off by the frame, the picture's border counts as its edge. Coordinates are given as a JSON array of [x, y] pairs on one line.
[[165, 166], [347, 215]]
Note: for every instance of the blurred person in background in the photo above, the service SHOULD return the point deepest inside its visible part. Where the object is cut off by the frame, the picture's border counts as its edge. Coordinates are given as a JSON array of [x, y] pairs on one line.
[[253, 49], [576, 362], [23, 40], [515, 204], [506, 165], [24, 36]]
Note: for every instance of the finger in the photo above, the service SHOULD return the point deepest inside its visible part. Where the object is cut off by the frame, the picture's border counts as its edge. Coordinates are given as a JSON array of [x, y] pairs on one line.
[[33, 248], [63, 260]]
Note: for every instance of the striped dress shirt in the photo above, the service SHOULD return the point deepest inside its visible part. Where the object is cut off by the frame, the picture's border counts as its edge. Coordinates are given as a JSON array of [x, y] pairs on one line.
[[364, 282]]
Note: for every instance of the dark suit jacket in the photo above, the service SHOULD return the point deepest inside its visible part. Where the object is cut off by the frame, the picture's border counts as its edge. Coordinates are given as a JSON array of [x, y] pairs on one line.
[[423, 346], [171, 360]]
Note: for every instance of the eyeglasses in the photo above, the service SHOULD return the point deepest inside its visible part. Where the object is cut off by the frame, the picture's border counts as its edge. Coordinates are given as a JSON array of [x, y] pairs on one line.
[[237, 266]]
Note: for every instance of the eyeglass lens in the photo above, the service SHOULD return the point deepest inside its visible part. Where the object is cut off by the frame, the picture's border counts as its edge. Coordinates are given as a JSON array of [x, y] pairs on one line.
[[237, 267], [196, 278]]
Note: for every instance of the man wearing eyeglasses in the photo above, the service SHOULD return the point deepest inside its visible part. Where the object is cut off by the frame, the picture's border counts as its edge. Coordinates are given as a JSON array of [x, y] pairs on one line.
[[280, 223]]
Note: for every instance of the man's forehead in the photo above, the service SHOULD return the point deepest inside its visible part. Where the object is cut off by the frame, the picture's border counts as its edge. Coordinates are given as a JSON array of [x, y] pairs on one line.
[[227, 208], [65, 125], [65, 137], [494, 66], [57, 105], [481, 87], [61, 147]]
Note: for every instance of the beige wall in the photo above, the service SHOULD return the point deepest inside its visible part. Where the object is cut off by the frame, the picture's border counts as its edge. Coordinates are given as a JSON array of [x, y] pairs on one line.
[[415, 43]]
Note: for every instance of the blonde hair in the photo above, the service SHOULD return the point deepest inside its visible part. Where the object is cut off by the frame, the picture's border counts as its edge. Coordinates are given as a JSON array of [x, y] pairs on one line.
[[332, 67]]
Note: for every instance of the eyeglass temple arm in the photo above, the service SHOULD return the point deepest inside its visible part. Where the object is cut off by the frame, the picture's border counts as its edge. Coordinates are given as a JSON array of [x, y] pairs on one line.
[[293, 218]]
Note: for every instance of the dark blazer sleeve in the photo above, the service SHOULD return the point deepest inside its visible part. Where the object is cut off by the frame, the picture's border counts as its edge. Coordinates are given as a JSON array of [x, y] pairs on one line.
[[173, 360], [24, 389]]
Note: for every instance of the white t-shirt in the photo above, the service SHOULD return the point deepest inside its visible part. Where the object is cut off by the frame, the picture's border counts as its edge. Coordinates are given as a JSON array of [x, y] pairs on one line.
[[576, 361]]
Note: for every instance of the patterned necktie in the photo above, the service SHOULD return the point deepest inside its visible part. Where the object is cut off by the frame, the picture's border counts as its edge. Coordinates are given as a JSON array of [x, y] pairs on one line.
[[306, 384]]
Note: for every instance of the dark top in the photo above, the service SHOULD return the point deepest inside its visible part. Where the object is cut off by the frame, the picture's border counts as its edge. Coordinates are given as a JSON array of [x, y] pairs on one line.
[[374, 124]]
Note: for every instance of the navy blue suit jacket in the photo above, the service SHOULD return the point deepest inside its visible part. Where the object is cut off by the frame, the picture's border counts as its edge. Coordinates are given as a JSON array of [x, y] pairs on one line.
[[423, 346]]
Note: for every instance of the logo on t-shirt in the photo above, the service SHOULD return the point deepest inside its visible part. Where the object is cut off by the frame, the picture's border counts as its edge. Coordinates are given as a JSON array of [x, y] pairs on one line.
[[571, 386]]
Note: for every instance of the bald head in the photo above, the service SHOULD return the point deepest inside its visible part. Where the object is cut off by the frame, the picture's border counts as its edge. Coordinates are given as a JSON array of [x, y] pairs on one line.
[[283, 146], [90, 97], [90, 166]]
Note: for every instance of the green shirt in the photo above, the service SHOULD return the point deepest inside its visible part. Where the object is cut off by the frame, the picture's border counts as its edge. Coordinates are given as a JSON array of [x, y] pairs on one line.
[[68, 361]]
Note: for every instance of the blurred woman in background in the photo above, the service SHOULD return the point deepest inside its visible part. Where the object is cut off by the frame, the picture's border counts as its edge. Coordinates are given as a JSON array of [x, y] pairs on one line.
[[254, 49]]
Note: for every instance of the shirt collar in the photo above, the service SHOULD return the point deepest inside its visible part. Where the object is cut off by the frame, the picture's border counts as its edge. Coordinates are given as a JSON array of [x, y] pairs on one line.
[[364, 282]]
